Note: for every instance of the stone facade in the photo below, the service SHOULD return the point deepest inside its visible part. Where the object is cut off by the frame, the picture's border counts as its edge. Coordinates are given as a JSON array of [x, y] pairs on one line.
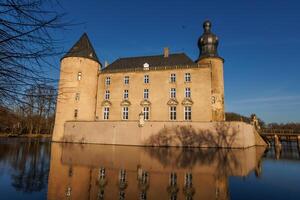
[[159, 100]]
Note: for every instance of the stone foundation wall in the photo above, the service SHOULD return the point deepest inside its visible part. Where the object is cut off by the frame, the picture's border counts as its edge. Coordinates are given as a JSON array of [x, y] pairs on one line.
[[161, 133]]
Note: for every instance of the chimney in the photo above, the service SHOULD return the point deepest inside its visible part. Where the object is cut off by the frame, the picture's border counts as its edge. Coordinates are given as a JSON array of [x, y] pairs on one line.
[[166, 52], [105, 64]]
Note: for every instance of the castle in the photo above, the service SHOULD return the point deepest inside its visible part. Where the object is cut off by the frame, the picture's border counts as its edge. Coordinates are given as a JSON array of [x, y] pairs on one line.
[[138, 95]]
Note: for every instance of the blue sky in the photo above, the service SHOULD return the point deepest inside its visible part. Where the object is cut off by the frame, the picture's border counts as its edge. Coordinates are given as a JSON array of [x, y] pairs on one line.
[[259, 40]]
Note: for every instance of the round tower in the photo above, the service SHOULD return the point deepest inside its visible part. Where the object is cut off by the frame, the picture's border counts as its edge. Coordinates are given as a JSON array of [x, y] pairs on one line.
[[208, 46], [77, 88]]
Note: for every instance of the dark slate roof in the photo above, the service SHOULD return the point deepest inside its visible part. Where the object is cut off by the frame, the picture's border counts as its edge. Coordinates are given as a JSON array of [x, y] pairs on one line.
[[179, 59], [82, 48]]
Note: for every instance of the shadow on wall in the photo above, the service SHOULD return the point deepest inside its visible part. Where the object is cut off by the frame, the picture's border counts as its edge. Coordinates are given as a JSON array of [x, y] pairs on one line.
[[222, 135]]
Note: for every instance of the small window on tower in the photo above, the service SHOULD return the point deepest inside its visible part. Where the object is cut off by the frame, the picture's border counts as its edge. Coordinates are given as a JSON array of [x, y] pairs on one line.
[[75, 113], [107, 80], [79, 75], [77, 96]]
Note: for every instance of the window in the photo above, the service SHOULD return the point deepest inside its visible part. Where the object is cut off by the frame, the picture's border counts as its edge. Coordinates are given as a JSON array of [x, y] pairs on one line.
[[107, 81], [79, 76], [106, 113], [146, 111], [146, 93], [173, 78], [173, 93], [188, 92], [146, 78], [125, 113], [77, 96], [173, 113], [126, 80], [107, 94], [187, 113], [75, 113], [125, 94], [187, 77]]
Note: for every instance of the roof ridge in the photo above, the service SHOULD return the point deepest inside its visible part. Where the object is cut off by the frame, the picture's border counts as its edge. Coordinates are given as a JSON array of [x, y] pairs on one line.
[[158, 55]]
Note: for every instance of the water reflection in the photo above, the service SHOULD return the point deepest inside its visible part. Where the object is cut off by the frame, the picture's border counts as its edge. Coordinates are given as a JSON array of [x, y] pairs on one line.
[[27, 162], [120, 172]]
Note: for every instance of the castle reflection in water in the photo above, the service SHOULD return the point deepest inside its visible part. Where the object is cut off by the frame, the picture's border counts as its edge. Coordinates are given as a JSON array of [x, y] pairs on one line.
[[122, 172]]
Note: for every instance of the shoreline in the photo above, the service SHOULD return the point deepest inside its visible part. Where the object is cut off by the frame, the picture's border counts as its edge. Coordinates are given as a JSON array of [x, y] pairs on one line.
[[4, 135]]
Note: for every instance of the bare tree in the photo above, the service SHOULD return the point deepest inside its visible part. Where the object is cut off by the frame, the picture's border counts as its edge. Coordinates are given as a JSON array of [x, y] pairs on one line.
[[27, 28], [38, 109]]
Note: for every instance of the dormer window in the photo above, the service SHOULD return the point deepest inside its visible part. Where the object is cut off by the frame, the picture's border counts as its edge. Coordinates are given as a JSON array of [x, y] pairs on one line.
[[79, 75], [146, 66]]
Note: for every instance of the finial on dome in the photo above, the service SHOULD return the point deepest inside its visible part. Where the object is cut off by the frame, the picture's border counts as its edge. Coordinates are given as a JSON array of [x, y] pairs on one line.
[[207, 26]]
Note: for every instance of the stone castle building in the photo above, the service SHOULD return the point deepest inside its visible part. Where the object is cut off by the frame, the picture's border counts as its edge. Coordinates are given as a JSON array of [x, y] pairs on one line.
[[160, 88]]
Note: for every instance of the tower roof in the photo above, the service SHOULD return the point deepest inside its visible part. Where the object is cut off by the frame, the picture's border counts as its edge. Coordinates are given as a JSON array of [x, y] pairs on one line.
[[82, 48], [208, 42]]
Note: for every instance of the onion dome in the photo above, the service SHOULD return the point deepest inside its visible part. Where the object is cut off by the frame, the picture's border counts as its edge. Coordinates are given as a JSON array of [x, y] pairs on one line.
[[208, 42]]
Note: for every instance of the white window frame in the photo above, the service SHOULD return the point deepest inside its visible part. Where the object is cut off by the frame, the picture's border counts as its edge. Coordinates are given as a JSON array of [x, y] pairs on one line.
[[146, 112], [125, 113], [146, 78], [173, 93], [106, 113], [79, 76], [173, 78], [187, 113], [187, 77], [107, 95], [187, 92], [172, 113], [126, 80], [107, 80], [125, 94], [146, 93]]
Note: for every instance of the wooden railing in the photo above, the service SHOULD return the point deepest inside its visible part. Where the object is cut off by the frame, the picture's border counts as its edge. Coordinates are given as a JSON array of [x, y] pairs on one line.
[[280, 131]]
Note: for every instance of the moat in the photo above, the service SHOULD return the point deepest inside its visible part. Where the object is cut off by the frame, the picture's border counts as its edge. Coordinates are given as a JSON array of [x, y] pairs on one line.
[[36, 169]]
